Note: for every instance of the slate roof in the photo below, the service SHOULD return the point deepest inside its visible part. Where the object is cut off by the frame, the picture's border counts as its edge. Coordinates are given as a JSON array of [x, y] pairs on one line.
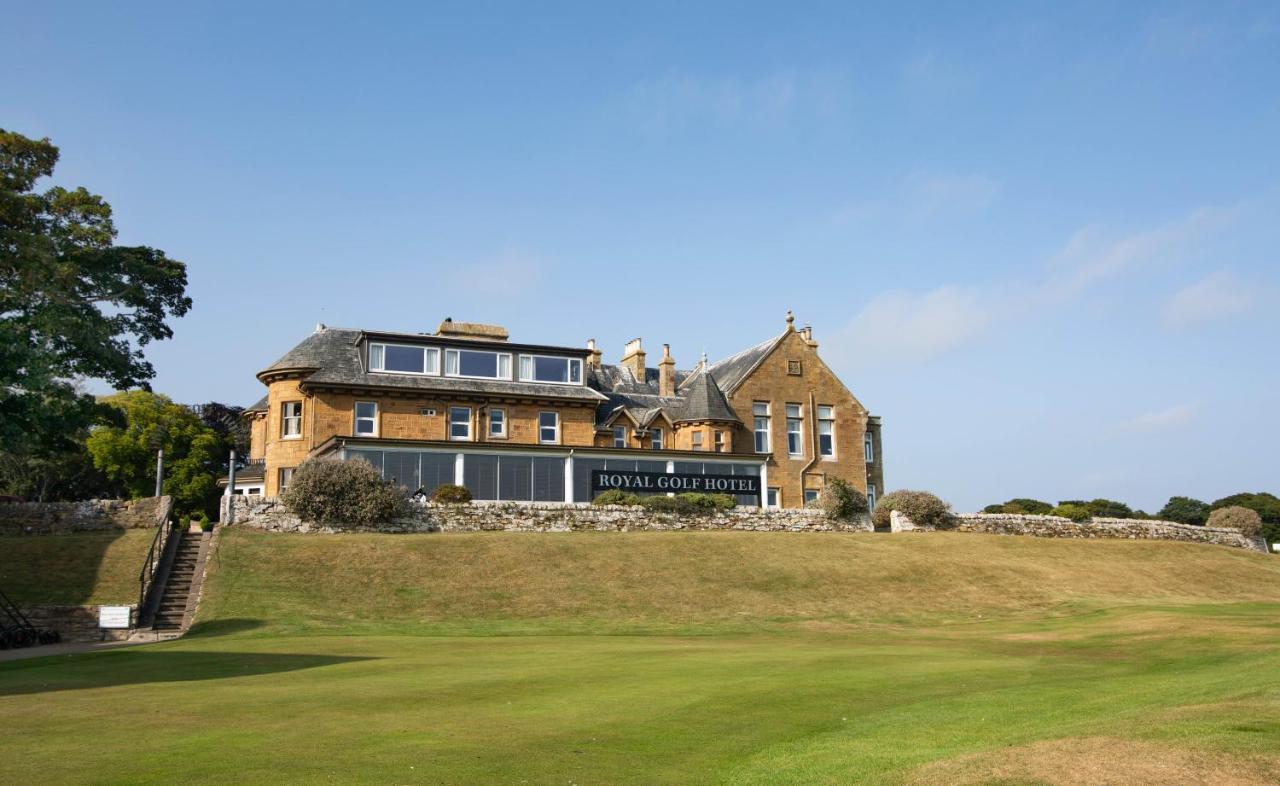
[[334, 354], [702, 399], [731, 371], [258, 406]]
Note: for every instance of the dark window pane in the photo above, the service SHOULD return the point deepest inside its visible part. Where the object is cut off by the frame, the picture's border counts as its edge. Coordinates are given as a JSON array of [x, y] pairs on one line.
[[548, 479], [374, 457], [551, 369], [437, 470], [477, 364], [515, 478], [480, 476], [403, 359]]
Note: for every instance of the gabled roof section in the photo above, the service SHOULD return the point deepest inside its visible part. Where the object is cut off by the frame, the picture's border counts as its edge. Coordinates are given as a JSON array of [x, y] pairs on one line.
[[258, 406], [703, 400], [333, 356], [730, 372]]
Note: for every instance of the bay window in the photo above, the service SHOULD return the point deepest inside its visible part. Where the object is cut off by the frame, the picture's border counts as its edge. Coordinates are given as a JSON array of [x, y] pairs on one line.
[[291, 420], [696, 437]]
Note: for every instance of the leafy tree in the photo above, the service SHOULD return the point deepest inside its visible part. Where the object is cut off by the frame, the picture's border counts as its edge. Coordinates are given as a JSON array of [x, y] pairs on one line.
[[1072, 509], [1101, 508], [1021, 505], [841, 501], [1184, 510], [72, 303], [226, 421], [127, 454]]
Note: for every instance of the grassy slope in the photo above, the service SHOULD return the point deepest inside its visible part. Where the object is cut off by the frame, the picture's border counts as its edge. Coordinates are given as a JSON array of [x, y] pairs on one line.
[[819, 659], [91, 567], [703, 582]]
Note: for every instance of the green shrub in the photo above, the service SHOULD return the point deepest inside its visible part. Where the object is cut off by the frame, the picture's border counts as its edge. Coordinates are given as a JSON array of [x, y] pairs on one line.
[[451, 494], [1072, 510], [1108, 509], [1248, 521], [616, 497], [344, 492], [202, 519], [924, 509], [663, 504], [841, 501], [708, 502]]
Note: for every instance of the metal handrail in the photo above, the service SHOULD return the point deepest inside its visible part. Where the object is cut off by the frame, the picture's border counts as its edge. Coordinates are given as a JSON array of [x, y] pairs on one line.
[[148, 573]]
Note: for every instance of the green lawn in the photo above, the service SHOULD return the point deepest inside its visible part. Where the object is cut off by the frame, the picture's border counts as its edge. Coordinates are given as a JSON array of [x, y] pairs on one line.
[[88, 567], [820, 669]]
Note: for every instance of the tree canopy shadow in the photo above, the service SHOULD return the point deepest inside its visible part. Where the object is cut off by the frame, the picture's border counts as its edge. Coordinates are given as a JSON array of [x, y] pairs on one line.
[[145, 664], [62, 569]]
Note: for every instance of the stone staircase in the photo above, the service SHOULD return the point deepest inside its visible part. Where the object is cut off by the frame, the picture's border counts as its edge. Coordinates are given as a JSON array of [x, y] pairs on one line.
[[182, 585]]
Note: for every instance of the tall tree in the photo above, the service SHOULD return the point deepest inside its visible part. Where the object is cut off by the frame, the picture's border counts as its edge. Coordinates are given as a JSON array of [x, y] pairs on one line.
[[127, 454], [73, 304]]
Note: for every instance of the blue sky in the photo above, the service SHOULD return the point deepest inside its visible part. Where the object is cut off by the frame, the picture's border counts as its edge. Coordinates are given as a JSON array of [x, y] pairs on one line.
[[1042, 241]]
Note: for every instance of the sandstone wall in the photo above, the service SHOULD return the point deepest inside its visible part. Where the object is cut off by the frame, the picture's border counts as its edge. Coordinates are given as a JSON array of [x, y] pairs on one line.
[[76, 623], [267, 513], [1056, 527], [95, 515]]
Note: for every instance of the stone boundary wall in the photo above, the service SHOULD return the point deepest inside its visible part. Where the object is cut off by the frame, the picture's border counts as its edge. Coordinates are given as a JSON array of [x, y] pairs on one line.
[[1057, 527], [269, 514], [95, 515], [77, 623]]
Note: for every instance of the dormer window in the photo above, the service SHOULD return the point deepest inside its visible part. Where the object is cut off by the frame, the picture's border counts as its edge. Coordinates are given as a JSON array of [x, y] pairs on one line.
[[477, 363], [545, 368], [403, 359]]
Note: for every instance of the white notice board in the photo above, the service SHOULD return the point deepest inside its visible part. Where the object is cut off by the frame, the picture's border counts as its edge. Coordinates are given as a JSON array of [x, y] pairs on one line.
[[113, 616]]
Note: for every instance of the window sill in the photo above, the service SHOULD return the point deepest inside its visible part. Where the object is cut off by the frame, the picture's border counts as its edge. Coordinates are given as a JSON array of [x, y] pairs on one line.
[[292, 438]]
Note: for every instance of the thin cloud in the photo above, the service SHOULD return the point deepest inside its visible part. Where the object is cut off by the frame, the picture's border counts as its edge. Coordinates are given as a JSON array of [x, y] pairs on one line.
[[1217, 296], [1175, 417], [924, 196], [677, 100], [903, 328], [511, 273]]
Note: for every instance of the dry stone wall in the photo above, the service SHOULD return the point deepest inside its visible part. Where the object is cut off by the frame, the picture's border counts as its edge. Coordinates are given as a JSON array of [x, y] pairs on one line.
[[268, 513], [1057, 527], [95, 515], [76, 623]]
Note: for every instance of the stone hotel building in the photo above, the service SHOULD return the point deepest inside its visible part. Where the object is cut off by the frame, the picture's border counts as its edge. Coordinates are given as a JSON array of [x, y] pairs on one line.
[[529, 422]]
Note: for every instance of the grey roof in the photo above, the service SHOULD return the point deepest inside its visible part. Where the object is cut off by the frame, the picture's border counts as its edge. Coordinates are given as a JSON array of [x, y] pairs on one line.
[[334, 354], [258, 406], [730, 371], [702, 399]]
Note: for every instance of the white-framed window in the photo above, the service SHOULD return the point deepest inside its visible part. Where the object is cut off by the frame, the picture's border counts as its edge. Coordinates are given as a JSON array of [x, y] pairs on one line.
[[655, 438], [771, 501], [696, 438], [460, 423], [868, 448], [291, 420], [619, 436], [810, 496], [547, 368], [497, 422], [795, 428], [476, 363], [826, 431], [403, 359], [286, 477], [718, 441], [871, 497], [760, 409], [366, 419], [549, 428]]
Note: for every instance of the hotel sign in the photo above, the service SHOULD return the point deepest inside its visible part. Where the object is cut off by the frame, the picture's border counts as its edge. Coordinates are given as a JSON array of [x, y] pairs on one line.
[[660, 482]]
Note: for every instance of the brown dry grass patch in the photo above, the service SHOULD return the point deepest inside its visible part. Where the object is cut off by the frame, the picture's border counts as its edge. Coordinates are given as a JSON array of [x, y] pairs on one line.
[[1101, 761]]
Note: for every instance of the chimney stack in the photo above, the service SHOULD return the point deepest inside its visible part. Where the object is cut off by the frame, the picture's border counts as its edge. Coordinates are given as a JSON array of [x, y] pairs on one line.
[[633, 358], [807, 334], [594, 359], [666, 373]]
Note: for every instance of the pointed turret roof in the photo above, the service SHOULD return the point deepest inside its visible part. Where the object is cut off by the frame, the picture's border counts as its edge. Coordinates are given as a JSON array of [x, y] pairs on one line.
[[703, 400]]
